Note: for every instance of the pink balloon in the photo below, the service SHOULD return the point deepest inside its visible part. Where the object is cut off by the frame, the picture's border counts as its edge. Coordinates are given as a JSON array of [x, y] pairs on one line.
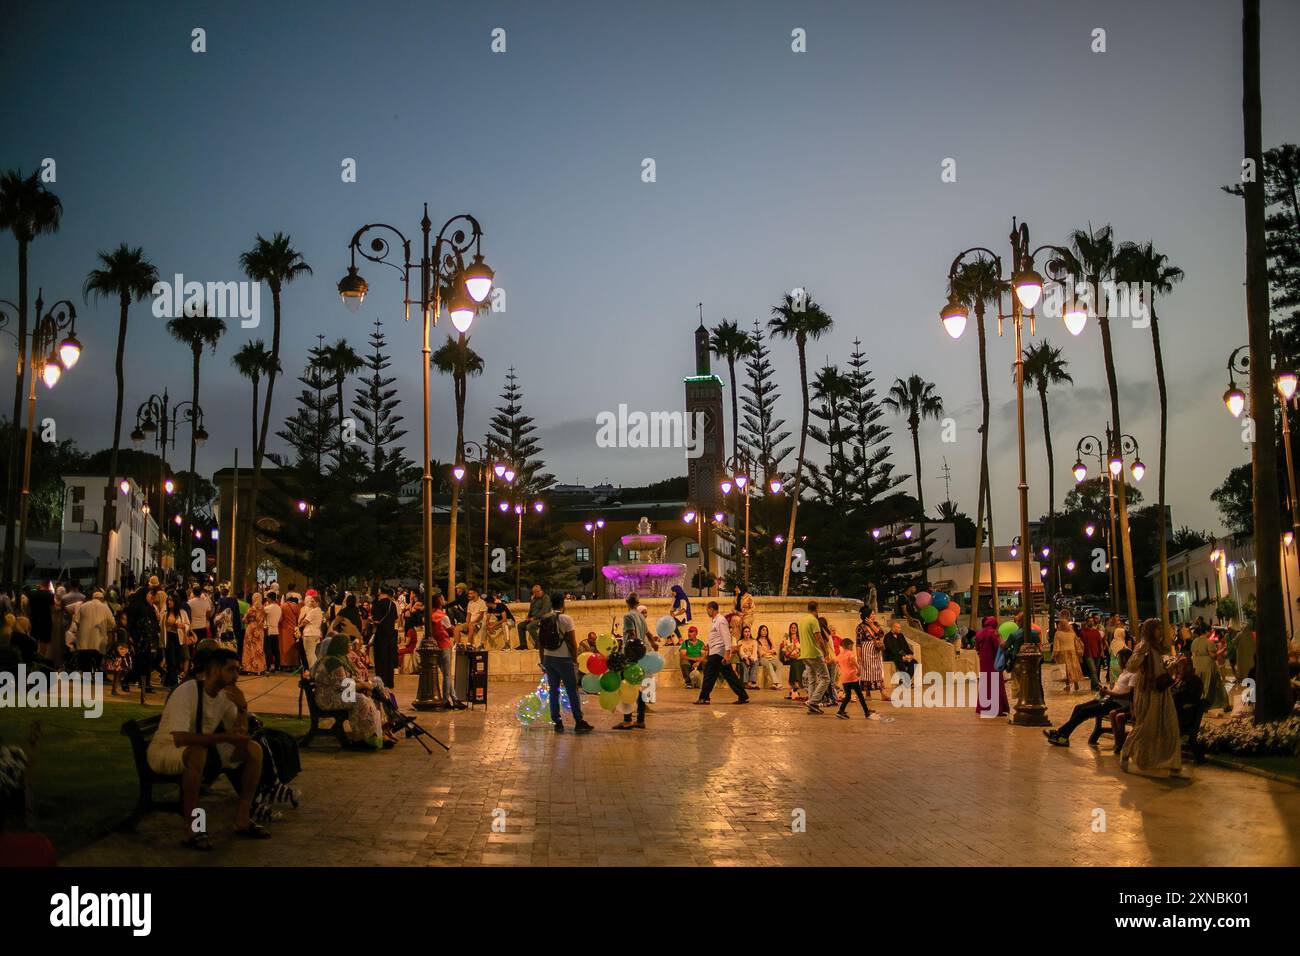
[[922, 598]]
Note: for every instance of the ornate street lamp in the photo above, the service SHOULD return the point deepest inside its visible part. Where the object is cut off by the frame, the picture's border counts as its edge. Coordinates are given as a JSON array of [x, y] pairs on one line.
[[1110, 465], [48, 359], [503, 472], [739, 470], [594, 527], [156, 418], [441, 263], [519, 509]]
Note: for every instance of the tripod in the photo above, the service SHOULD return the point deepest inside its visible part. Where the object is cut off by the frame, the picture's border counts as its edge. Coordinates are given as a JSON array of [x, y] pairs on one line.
[[413, 731]]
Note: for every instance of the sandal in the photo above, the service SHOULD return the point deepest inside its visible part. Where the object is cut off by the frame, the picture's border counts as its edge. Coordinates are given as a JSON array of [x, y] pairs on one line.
[[198, 842], [253, 831]]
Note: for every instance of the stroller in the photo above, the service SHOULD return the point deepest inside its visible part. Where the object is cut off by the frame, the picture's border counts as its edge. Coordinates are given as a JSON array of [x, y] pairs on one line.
[[280, 765]]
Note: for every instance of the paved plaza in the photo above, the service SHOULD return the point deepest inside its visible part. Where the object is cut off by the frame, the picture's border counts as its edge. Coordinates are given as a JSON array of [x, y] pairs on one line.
[[727, 785]]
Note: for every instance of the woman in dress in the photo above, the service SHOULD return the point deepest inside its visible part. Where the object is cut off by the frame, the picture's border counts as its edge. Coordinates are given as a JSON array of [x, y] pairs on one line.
[[1065, 651], [745, 604], [681, 610], [332, 669], [254, 661], [311, 626], [1206, 663], [991, 697], [871, 663], [176, 626], [1154, 744]]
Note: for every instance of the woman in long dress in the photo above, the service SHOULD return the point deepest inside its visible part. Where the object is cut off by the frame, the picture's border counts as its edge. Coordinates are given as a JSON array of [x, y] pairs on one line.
[[254, 661], [871, 663], [1206, 663], [1065, 651], [1154, 745], [991, 694], [332, 668]]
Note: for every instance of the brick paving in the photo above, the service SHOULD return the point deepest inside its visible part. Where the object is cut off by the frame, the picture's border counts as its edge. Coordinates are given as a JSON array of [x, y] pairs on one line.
[[723, 785]]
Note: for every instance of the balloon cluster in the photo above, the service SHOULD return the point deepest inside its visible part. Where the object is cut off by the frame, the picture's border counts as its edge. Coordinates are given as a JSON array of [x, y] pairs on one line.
[[938, 613], [617, 674], [532, 709]]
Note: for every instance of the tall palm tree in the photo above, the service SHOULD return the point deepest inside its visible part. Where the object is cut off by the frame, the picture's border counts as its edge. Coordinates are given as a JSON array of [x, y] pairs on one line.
[[253, 361], [1142, 263], [916, 399], [340, 360], [27, 210], [978, 285], [126, 274], [1044, 367], [800, 319], [196, 332], [1273, 698], [276, 262], [728, 341], [1092, 262], [455, 358]]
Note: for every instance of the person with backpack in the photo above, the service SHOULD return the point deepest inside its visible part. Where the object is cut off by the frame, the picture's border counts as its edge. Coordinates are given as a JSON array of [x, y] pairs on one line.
[[558, 649]]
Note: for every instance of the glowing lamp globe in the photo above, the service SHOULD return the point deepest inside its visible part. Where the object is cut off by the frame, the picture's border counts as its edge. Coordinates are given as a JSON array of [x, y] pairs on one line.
[[1080, 471], [775, 486], [1139, 469], [1075, 317], [478, 279], [1286, 382], [169, 486], [1089, 530], [718, 516], [504, 506], [1029, 288], [688, 517], [519, 509], [1235, 399], [509, 475], [953, 316], [70, 351], [742, 481], [539, 507], [875, 532], [1069, 565], [498, 469], [52, 372], [600, 522], [461, 311], [1288, 538], [1116, 465], [124, 486], [726, 487], [907, 533], [458, 472]]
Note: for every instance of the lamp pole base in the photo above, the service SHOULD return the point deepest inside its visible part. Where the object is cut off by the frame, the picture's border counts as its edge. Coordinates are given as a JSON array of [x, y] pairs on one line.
[[426, 695], [1031, 708]]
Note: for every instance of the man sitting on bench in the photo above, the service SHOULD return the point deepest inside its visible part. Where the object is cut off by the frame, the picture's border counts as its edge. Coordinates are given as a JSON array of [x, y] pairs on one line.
[[189, 742], [1118, 697]]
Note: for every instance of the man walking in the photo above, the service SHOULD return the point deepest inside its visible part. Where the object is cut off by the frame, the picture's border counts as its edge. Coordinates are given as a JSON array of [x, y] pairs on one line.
[[717, 662], [558, 648], [813, 654], [538, 606]]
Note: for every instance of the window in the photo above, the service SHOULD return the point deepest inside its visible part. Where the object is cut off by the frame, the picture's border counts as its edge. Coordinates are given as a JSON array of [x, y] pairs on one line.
[[634, 555], [692, 549], [78, 492], [582, 555], [78, 514]]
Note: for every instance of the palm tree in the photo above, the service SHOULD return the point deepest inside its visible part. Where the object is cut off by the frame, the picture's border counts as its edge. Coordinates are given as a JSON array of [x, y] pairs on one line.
[[1043, 367], [978, 285], [728, 341], [1273, 699], [253, 361], [455, 358], [800, 319], [196, 332], [129, 276], [916, 398], [340, 360], [1141, 263], [275, 262], [1093, 262], [27, 210]]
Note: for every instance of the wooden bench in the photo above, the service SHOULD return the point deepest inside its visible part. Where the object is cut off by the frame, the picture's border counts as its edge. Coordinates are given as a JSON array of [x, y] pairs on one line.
[[140, 732], [317, 714]]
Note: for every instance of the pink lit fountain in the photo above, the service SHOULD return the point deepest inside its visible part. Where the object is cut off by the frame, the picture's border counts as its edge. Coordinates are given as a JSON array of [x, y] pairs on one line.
[[646, 574]]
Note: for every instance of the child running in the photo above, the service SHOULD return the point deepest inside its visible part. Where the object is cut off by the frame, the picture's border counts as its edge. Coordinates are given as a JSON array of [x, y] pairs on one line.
[[850, 680]]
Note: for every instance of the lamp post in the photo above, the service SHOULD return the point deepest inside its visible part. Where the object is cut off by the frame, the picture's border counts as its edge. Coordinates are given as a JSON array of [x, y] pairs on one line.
[[439, 262], [594, 527], [740, 475], [499, 470], [1110, 465], [156, 417], [50, 358], [1026, 286], [520, 508], [697, 517], [1285, 382], [1288, 541]]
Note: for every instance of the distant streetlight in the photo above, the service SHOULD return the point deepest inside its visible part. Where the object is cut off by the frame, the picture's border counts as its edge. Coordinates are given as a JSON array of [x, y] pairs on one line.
[[593, 528]]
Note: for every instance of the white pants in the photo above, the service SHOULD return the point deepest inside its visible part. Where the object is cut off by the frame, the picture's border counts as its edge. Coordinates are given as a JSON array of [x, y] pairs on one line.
[[309, 642]]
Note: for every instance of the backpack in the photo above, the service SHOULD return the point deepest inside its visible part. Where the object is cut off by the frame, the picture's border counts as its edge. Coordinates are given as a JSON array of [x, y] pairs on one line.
[[548, 632]]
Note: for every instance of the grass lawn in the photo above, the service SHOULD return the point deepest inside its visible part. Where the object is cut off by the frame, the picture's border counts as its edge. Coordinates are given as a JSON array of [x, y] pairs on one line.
[[84, 780]]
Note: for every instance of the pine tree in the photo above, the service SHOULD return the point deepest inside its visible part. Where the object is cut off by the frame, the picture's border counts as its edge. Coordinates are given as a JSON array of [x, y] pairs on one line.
[[762, 434], [546, 560], [386, 469]]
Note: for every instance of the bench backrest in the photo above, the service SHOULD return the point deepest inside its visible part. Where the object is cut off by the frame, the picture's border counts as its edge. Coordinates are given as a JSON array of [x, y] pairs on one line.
[[140, 732]]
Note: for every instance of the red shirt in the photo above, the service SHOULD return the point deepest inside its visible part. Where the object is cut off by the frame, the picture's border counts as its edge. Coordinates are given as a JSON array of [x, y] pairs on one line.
[[1093, 642], [440, 633]]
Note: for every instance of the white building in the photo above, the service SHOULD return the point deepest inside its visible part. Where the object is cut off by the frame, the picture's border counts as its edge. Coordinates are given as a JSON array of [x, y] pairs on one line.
[[1224, 568], [133, 540]]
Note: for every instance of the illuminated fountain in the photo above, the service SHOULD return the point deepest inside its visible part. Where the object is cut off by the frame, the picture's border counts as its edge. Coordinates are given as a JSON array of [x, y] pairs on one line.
[[648, 575]]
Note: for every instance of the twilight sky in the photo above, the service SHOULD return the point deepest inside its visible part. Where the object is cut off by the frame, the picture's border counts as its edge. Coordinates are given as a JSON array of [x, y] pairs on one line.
[[774, 169]]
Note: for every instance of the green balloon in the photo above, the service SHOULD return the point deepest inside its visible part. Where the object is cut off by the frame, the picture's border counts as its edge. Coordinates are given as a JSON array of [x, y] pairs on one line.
[[591, 683], [610, 680], [950, 630], [929, 614], [633, 674]]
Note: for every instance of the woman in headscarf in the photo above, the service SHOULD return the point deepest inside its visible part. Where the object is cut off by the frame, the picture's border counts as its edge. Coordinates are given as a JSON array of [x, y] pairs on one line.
[[254, 660], [311, 626], [1154, 744], [1065, 651], [331, 671], [1206, 663], [868, 645], [991, 696], [681, 611]]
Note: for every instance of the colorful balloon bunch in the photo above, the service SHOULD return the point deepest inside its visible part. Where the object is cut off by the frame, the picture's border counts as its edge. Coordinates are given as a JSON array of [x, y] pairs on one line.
[[617, 674], [938, 613]]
